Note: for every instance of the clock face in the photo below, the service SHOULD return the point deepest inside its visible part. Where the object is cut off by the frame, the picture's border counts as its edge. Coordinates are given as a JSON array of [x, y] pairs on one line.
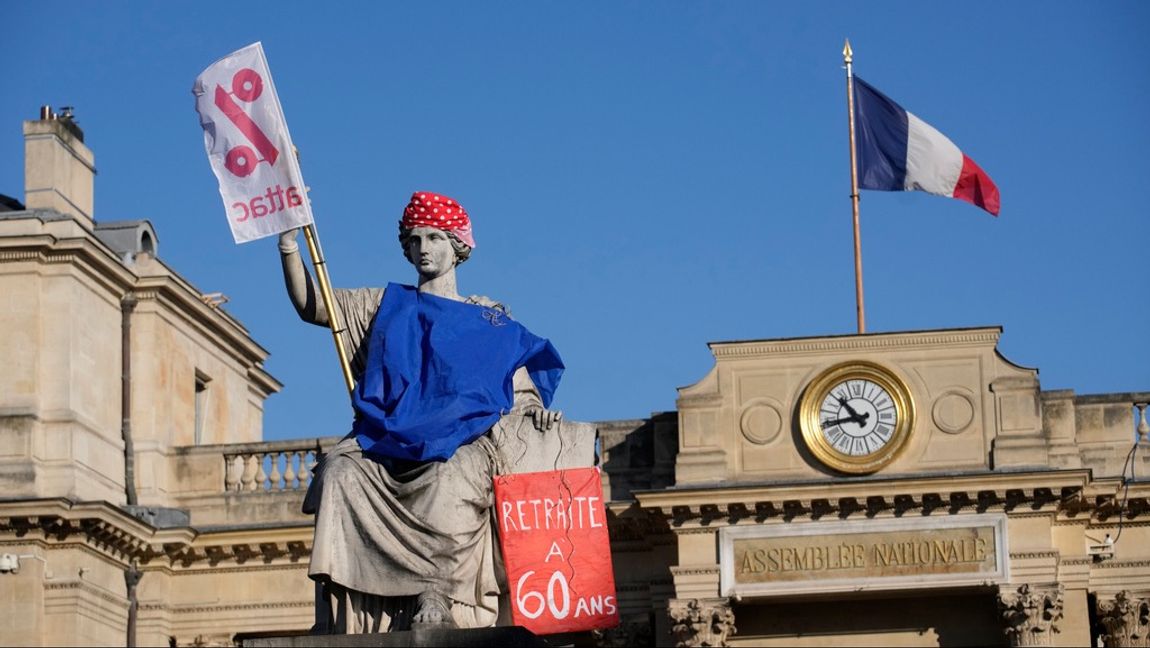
[[858, 417], [855, 417]]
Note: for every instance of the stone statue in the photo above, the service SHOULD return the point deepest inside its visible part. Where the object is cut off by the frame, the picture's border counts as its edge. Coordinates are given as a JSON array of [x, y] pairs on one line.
[[403, 527]]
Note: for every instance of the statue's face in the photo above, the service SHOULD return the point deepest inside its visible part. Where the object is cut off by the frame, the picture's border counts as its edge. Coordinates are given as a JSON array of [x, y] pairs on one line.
[[430, 251]]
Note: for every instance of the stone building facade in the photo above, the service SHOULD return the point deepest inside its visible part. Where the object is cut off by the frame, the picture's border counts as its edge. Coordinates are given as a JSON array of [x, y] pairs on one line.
[[140, 503], [1004, 518]]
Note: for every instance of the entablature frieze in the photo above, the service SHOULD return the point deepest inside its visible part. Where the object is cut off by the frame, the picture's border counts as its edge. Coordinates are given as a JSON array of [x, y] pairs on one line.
[[117, 536], [89, 589], [1035, 555], [1069, 497], [628, 524], [200, 608], [1122, 564]]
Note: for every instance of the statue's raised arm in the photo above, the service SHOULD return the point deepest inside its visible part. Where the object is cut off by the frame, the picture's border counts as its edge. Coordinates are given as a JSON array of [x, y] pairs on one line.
[[300, 287], [403, 526]]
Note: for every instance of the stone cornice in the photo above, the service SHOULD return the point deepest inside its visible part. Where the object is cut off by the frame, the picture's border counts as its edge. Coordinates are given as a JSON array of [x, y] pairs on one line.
[[197, 608], [99, 524], [64, 242], [871, 342], [88, 255], [122, 538], [89, 589], [181, 300], [1044, 493], [1122, 564], [630, 524]]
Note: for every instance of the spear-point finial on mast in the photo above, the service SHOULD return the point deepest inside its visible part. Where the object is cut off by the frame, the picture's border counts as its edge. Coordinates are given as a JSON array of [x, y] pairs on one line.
[[847, 53]]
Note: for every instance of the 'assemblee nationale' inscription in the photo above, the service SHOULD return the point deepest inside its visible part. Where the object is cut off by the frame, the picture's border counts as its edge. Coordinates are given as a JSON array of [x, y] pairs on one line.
[[859, 555]]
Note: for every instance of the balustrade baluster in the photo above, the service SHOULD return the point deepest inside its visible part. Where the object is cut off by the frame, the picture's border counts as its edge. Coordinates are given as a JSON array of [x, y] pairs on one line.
[[233, 468], [261, 475], [248, 481], [278, 467], [290, 482], [275, 476]]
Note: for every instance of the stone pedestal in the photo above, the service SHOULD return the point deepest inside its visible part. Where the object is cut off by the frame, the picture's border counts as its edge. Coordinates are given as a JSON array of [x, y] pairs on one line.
[[510, 636]]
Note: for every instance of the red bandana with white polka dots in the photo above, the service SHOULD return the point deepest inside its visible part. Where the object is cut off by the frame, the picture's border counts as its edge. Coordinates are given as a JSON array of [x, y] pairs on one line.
[[428, 209]]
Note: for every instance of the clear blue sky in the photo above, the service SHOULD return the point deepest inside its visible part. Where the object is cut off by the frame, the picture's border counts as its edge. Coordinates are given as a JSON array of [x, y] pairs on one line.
[[643, 177]]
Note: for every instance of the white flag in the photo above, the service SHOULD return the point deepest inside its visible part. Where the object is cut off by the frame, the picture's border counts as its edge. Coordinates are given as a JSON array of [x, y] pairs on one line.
[[249, 146]]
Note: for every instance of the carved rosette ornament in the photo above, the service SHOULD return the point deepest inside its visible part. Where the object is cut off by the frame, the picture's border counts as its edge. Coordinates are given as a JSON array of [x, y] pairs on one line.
[[1126, 619], [701, 622], [1030, 614]]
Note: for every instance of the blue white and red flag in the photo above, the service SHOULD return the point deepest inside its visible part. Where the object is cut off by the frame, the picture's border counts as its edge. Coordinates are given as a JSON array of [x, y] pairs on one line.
[[897, 151]]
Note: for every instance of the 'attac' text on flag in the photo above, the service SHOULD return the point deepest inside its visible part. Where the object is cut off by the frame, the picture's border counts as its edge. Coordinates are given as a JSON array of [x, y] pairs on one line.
[[249, 147]]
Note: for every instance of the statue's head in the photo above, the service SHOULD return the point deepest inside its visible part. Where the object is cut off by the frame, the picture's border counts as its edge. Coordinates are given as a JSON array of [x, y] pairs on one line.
[[435, 233]]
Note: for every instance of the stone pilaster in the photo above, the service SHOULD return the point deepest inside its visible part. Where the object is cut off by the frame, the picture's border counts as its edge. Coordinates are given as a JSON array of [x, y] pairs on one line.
[[701, 622], [1030, 613], [1126, 619]]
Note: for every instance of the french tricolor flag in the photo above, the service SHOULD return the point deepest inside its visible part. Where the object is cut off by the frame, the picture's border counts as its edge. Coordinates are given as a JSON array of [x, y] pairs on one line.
[[897, 151]]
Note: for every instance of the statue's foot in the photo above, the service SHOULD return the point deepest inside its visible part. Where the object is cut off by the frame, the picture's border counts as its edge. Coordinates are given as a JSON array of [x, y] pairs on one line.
[[432, 609]]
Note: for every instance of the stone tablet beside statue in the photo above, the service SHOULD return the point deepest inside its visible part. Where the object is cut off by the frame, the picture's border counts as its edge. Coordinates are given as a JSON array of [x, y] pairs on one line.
[[450, 391]]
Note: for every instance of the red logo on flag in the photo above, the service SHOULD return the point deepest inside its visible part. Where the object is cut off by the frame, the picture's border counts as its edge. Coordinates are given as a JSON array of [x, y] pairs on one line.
[[553, 530], [247, 86]]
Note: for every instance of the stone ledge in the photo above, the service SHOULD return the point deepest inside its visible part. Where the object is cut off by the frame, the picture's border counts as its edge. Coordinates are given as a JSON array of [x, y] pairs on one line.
[[511, 636]]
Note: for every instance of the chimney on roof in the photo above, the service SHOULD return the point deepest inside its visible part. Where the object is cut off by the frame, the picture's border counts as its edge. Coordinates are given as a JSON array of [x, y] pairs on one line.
[[59, 171]]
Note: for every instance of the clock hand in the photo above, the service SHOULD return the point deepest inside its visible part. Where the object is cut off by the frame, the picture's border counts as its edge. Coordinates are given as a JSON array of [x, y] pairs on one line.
[[829, 422], [844, 403], [860, 419]]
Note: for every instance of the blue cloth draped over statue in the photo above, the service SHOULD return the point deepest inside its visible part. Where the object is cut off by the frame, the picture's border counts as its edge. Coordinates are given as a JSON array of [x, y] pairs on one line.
[[439, 374]]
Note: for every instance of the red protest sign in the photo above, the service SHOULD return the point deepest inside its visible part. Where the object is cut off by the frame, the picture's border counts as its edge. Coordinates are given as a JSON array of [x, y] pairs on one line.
[[553, 530]]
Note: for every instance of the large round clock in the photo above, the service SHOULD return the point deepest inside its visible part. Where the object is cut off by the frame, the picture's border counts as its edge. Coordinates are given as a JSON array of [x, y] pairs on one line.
[[855, 417]]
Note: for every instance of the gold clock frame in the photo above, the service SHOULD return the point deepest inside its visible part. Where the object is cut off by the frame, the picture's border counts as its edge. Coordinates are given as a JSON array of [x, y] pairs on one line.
[[811, 429]]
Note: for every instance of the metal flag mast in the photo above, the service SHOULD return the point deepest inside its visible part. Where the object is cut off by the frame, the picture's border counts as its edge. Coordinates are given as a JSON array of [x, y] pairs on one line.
[[861, 312], [311, 235]]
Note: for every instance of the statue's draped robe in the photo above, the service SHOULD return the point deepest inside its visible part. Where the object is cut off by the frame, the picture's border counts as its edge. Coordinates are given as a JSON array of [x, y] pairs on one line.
[[398, 520]]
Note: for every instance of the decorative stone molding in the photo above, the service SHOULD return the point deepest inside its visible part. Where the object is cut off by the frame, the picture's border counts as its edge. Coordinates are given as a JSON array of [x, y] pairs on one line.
[[953, 411], [110, 532], [1061, 495], [1126, 619], [1030, 614], [213, 641], [977, 337], [701, 622]]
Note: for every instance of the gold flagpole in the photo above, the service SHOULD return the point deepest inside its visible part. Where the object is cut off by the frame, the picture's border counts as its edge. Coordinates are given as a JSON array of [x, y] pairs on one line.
[[848, 58], [317, 261]]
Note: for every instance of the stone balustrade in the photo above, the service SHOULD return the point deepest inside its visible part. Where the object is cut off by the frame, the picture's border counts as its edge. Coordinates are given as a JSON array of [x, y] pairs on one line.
[[270, 466], [242, 483]]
